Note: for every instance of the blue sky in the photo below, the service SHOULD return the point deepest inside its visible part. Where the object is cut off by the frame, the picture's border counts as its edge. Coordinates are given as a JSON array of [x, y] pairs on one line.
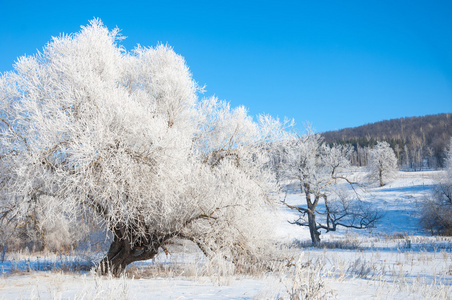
[[335, 64]]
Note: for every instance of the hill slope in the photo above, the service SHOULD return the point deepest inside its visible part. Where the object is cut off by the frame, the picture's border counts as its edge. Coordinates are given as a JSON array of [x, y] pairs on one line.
[[417, 141]]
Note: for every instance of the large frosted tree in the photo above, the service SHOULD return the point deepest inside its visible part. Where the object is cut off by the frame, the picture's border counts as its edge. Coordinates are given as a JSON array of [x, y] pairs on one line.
[[90, 131]]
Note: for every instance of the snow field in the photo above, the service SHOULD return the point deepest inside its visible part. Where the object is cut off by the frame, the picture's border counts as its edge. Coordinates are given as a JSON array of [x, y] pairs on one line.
[[395, 260]]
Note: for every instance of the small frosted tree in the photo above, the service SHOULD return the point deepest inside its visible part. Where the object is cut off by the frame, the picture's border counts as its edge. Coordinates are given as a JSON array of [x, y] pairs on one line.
[[437, 209], [448, 162], [382, 163], [91, 132], [318, 169]]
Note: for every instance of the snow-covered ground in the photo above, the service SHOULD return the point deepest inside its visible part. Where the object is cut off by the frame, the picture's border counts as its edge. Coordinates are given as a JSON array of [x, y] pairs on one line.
[[395, 260]]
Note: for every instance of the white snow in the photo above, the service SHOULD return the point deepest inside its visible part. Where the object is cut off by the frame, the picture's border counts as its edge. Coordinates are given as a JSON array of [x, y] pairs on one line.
[[395, 260]]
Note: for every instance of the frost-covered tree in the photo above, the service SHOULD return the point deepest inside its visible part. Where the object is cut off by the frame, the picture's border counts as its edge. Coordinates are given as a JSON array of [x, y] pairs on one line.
[[93, 133], [318, 169], [382, 163], [437, 209], [448, 162]]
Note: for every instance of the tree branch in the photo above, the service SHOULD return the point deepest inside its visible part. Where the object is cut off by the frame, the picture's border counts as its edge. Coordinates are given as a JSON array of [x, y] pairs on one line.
[[300, 209], [15, 133]]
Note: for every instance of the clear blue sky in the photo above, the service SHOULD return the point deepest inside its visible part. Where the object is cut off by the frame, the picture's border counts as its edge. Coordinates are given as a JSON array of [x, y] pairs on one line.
[[335, 64]]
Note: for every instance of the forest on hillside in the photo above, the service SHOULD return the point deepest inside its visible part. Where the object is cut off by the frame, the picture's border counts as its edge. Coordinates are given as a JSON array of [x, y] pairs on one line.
[[418, 142]]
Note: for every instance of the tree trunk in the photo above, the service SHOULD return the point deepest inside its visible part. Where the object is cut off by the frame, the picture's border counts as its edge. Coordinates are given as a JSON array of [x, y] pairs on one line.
[[315, 234], [123, 252]]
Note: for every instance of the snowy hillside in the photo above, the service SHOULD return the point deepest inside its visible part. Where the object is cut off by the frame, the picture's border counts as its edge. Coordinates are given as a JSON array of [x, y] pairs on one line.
[[394, 260]]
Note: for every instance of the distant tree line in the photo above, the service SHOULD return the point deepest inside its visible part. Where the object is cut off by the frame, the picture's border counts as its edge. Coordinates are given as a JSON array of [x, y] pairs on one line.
[[418, 142]]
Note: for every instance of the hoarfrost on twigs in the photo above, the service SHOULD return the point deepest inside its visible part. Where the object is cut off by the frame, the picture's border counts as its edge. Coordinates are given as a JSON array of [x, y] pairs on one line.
[[93, 134]]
